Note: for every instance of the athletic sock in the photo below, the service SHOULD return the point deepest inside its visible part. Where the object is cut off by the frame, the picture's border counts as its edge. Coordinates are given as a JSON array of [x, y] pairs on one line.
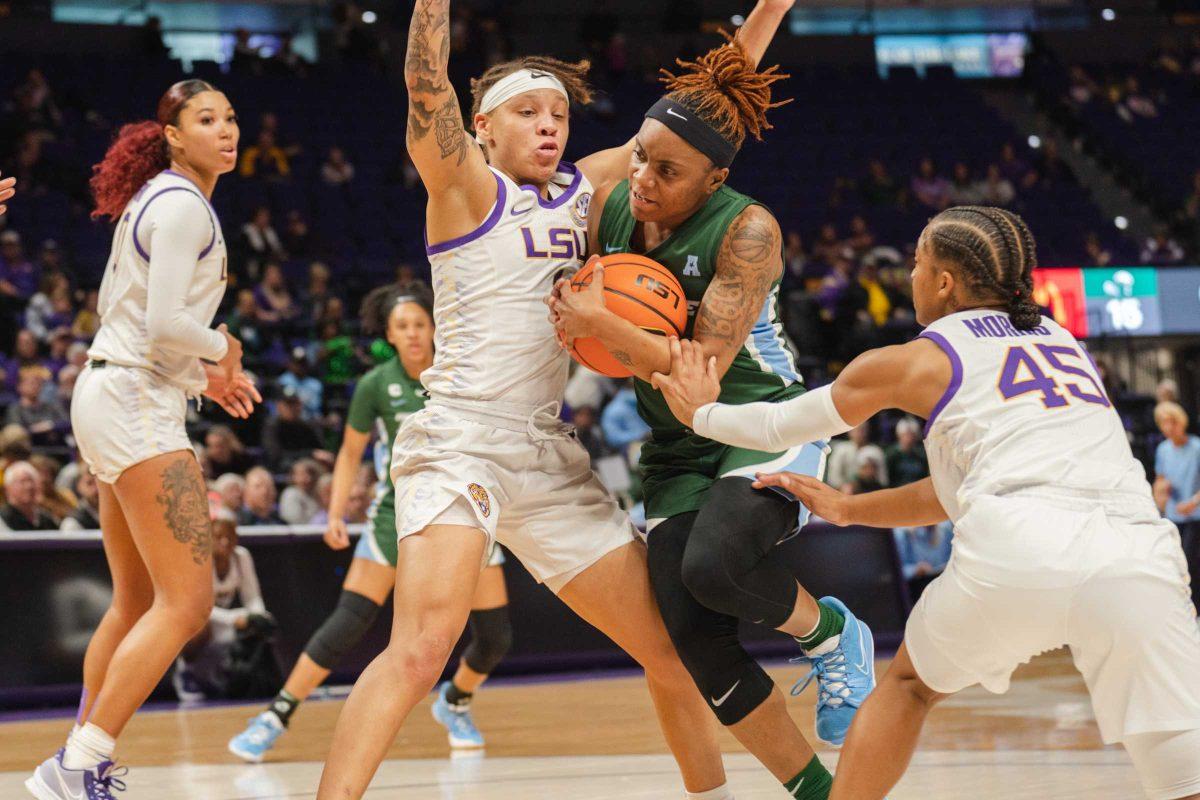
[[283, 706], [813, 783], [87, 747], [456, 698], [830, 623], [722, 792]]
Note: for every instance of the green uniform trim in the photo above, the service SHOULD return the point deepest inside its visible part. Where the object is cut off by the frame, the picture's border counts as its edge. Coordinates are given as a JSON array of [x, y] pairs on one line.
[[382, 400], [677, 466]]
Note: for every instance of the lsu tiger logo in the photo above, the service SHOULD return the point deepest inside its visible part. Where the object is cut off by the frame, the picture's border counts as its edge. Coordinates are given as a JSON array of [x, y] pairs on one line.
[[480, 496]]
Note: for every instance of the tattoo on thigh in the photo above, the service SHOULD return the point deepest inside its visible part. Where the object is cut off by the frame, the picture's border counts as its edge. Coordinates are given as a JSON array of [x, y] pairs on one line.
[[185, 505]]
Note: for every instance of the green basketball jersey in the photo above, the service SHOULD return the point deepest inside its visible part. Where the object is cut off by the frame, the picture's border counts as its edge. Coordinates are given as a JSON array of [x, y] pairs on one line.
[[764, 369], [383, 398]]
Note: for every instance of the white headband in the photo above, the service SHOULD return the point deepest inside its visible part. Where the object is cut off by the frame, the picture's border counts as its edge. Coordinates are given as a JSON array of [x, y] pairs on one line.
[[519, 82]]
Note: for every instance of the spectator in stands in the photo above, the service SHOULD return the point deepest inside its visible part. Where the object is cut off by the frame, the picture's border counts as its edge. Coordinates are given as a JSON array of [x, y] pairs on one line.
[[861, 239], [309, 389], [866, 477], [245, 57], [288, 437], [906, 459], [1014, 168], [1161, 250], [15, 445], [879, 188], [1167, 391], [1049, 168], [620, 421], [151, 39], [286, 60], [300, 502], [231, 488], [275, 303], [265, 159], [794, 258], [231, 656], [828, 246], [56, 359], [21, 511], [260, 242], [298, 239], [1082, 89], [244, 325], [1139, 103], [86, 514], [225, 451], [318, 293], [259, 503], [843, 458], [358, 502], [995, 189], [586, 431], [35, 104], [1097, 254], [50, 307], [44, 420], [324, 495], [878, 306], [335, 350], [337, 171], [963, 190], [929, 188], [56, 502], [1177, 482], [924, 553], [19, 277], [87, 320], [67, 377]]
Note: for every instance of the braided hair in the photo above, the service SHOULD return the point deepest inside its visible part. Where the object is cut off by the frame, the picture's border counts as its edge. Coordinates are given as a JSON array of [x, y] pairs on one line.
[[725, 89], [996, 254], [377, 306]]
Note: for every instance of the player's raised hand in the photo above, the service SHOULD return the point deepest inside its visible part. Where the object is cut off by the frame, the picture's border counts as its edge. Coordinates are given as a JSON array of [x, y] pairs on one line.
[[6, 192], [692, 382], [820, 498]]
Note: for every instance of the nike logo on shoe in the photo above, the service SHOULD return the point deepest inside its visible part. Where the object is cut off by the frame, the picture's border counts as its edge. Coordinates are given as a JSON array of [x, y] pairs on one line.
[[724, 697], [862, 650]]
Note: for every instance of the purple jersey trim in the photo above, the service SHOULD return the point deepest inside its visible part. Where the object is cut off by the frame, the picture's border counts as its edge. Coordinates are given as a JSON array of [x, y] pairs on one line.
[[138, 245], [955, 378], [563, 166], [488, 224]]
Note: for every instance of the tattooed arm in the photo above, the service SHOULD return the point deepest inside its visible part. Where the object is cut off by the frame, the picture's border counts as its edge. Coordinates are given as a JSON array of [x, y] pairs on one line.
[[452, 167], [749, 261]]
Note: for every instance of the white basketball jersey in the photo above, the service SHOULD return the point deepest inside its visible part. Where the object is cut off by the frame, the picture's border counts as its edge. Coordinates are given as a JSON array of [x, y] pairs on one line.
[[122, 338], [494, 341], [1024, 410]]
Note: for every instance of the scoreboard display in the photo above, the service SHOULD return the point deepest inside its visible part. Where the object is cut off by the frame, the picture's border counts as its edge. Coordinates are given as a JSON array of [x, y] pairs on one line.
[[1121, 301]]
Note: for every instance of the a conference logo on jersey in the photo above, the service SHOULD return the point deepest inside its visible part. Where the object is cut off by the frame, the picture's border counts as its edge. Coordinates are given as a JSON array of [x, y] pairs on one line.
[[579, 211], [480, 496], [394, 390]]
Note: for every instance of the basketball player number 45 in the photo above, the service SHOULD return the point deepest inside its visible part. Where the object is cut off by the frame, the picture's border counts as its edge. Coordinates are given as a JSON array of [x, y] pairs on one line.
[[1022, 373]]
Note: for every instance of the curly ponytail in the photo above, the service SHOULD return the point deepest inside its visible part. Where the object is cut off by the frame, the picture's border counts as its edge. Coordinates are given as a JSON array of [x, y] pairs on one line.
[[139, 152]]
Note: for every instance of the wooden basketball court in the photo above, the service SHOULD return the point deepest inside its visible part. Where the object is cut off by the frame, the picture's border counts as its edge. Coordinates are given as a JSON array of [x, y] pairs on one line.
[[590, 738]]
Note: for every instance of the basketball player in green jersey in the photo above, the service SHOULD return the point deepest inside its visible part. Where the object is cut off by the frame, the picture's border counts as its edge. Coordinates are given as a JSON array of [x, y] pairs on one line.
[[711, 535], [382, 399]]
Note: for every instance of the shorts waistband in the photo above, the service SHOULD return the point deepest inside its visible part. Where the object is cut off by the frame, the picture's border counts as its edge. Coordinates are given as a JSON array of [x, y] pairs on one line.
[[540, 422]]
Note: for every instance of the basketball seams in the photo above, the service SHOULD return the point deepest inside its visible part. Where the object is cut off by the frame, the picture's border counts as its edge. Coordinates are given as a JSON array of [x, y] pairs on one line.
[[670, 322]]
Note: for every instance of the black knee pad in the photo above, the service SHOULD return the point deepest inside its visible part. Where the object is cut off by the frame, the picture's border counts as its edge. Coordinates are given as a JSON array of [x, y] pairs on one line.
[[729, 565], [491, 639], [343, 629], [707, 641]]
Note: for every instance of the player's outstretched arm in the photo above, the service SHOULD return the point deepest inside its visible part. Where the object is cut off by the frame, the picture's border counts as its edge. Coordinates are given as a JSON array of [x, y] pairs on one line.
[[908, 506], [609, 167], [451, 166], [349, 457]]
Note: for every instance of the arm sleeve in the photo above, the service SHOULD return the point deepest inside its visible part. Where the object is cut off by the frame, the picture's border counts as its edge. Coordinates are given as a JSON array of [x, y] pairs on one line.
[[361, 415], [772, 427], [178, 228]]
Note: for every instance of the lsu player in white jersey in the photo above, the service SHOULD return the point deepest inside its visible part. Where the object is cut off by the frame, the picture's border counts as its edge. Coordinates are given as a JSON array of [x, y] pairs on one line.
[[487, 459], [154, 350], [1057, 538]]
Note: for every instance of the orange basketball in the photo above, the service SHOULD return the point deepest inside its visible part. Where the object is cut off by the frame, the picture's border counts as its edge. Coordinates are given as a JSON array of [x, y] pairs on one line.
[[636, 289]]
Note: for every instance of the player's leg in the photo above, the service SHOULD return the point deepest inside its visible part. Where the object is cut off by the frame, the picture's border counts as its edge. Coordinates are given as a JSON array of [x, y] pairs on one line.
[[884, 734], [133, 593], [368, 583], [165, 504], [732, 565], [436, 574], [1167, 763], [614, 595], [491, 639], [737, 689]]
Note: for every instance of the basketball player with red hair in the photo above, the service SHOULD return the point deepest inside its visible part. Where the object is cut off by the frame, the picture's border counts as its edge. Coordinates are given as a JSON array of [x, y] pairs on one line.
[[164, 281]]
